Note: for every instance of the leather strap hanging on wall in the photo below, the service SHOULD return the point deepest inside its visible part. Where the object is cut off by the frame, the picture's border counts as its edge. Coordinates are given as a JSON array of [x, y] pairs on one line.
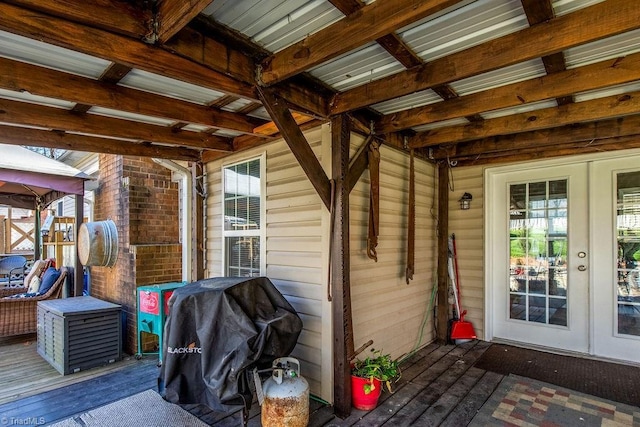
[[411, 228], [374, 199]]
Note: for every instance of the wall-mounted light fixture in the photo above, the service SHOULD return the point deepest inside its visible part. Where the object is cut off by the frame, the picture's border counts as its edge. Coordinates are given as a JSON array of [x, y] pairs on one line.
[[465, 201]]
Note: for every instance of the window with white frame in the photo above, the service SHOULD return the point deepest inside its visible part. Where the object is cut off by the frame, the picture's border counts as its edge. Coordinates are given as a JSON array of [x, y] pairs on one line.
[[243, 201]]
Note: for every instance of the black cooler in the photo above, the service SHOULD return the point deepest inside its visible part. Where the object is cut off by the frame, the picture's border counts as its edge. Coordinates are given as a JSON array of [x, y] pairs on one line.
[[217, 331]]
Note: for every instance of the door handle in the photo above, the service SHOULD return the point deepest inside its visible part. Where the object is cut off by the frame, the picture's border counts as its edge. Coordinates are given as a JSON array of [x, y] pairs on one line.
[[582, 267]]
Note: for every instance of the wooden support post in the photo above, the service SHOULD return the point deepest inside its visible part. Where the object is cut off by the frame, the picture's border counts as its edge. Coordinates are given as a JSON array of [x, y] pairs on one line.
[[78, 275], [443, 246], [343, 345]]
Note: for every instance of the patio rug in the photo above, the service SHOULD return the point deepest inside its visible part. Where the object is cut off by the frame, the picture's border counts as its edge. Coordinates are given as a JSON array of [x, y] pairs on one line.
[[607, 380], [146, 409], [520, 401]]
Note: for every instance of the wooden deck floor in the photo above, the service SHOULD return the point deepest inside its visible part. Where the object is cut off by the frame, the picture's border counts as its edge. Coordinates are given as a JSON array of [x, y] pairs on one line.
[[439, 386]]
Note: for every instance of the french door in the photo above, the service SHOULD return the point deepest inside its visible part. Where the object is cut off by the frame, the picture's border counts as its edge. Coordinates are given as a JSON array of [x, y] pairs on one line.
[[538, 256], [563, 256], [615, 224]]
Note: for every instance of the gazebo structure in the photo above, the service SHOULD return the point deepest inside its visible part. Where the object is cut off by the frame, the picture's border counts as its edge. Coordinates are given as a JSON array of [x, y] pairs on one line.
[[32, 181]]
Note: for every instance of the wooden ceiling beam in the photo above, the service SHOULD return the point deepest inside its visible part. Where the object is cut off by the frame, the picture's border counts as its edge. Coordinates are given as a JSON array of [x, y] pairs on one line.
[[118, 16], [213, 54], [391, 42], [578, 132], [23, 77], [538, 11], [245, 142], [279, 112], [592, 110], [92, 144], [602, 20], [24, 114], [594, 76], [117, 48], [561, 150], [373, 21], [173, 15]]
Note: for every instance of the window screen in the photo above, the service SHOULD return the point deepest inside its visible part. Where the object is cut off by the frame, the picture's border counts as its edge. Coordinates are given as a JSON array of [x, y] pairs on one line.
[[242, 215]]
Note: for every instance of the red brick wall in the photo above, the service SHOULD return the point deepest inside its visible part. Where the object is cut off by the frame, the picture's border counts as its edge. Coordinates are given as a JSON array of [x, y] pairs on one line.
[[138, 195]]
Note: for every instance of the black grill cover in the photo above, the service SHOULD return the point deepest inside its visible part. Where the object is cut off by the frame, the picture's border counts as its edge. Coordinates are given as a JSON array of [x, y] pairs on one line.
[[217, 329]]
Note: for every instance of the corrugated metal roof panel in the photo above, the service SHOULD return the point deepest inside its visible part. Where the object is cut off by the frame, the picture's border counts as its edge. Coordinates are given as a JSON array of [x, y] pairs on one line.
[[413, 100], [108, 112], [226, 133], [35, 99], [23, 126], [260, 113], [166, 86], [442, 124], [503, 76], [611, 47], [34, 52], [275, 24], [236, 105], [195, 128], [524, 108], [610, 91], [104, 136], [465, 27], [562, 7], [358, 67]]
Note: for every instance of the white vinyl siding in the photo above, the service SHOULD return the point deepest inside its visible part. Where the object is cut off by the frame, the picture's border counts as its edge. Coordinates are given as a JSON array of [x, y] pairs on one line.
[[296, 232], [385, 308], [468, 227]]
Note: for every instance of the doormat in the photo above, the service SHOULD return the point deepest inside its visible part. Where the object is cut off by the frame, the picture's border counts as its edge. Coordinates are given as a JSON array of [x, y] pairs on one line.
[[612, 381], [520, 401], [146, 409]]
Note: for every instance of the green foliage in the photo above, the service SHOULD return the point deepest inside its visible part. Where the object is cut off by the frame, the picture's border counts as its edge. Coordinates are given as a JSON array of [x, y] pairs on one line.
[[379, 366]]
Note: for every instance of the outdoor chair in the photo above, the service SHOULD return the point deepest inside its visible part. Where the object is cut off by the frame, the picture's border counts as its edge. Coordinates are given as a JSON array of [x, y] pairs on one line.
[[12, 270], [18, 315], [36, 270]]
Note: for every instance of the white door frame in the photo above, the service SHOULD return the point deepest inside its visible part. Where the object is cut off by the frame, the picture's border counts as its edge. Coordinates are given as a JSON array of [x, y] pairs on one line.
[[489, 193]]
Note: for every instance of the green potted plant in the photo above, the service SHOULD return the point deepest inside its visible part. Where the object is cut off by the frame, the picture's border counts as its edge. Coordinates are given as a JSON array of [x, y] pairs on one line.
[[369, 376]]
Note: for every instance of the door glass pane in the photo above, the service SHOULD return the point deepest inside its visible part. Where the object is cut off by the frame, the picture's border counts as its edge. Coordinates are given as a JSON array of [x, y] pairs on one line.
[[628, 235], [537, 252]]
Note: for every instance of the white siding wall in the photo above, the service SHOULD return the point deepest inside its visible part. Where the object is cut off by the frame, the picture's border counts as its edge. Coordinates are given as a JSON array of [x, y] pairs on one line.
[[296, 247], [385, 308], [467, 225]]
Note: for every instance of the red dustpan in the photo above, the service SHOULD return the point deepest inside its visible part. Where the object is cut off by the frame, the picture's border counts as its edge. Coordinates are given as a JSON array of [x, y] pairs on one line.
[[462, 330]]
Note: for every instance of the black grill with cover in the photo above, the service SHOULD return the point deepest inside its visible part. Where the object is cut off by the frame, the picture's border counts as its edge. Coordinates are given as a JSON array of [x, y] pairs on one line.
[[217, 331]]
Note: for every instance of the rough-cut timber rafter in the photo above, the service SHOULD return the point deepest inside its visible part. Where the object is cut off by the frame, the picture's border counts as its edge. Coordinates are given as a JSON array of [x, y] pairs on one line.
[[117, 48], [390, 42], [92, 144], [118, 16], [298, 144], [598, 75], [20, 76], [372, 21], [570, 149], [20, 113], [172, 15], [538, 11], [579, 132], [596, 109], [585, 25]]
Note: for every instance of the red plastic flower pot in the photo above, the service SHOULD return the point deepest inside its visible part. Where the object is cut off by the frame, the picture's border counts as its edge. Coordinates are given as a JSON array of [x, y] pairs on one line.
[[365, 392]]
